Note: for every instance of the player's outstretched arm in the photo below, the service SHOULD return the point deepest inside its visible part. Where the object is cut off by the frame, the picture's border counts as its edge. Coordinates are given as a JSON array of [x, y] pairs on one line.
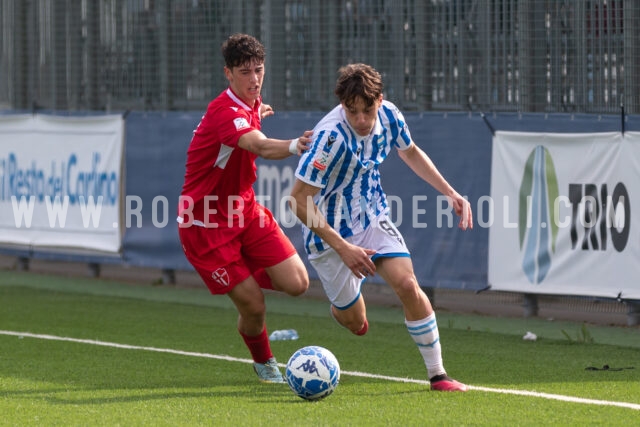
[[356, 258], [423, 166], [274, 149]]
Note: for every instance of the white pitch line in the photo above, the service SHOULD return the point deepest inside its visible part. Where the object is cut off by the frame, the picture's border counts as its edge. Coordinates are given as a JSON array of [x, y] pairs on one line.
[[351, 373]]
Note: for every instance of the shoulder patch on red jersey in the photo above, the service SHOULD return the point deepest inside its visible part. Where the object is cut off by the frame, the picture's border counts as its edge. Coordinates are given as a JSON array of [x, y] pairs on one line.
[[241, 123]]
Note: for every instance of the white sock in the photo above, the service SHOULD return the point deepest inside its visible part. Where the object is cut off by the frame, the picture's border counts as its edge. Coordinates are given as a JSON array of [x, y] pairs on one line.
[[425, 334]]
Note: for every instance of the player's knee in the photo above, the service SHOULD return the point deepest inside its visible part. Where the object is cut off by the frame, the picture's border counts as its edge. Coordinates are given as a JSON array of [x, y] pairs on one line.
[[408, 287], [298, 290], [299, 285], [254, 312]]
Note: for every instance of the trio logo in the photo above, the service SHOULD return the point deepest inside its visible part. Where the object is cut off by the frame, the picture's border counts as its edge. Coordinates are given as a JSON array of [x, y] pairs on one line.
[[596, 215], [603, 216], [538, 233]]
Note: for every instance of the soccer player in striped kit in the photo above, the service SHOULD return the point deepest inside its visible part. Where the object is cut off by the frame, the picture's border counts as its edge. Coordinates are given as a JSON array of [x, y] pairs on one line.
[[348, 234], [234, 243]]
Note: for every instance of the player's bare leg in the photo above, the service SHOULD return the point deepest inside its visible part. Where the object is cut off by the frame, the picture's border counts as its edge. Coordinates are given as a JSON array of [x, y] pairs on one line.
[[249, 301], [289, 276], [353, 318], [419, 318], [398, 273]]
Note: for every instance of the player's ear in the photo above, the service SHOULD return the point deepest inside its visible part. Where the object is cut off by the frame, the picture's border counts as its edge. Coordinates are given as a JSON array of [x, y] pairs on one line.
[[228, 73]]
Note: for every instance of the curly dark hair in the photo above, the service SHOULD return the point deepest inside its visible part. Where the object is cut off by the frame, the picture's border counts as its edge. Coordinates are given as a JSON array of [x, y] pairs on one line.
[[358, 81], [240, 49]]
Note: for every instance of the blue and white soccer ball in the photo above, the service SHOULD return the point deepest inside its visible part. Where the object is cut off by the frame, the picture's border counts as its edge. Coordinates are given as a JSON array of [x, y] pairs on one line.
[[313, 372]]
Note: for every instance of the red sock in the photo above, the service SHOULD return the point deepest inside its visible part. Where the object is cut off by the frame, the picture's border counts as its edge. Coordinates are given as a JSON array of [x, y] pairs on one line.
[[258, 346], [364, 329]]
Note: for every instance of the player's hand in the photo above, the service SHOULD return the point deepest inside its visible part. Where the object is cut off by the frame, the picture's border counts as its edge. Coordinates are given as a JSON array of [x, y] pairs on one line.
[[462, 208], [358, 260], [304, 142], [265, 111]]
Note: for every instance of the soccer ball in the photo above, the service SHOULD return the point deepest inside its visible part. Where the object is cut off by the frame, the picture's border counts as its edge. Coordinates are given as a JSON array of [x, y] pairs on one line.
[[313, 372]]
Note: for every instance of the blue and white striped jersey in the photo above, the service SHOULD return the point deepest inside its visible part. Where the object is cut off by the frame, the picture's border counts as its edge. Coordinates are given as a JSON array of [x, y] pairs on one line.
[[345, 166]]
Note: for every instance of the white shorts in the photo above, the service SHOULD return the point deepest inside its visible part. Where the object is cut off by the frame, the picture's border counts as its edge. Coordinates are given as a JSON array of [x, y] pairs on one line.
[[341, 286]]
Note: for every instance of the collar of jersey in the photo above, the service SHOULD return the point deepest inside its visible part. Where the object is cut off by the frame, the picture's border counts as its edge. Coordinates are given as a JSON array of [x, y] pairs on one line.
[[240, 102]]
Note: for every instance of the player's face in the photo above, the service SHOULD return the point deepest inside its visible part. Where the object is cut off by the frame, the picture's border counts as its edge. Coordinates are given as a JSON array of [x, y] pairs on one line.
[[246, 80], [361, 117]]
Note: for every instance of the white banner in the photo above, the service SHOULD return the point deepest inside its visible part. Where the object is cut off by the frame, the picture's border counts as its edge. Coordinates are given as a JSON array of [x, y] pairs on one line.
[[61, 182], [566, 214]]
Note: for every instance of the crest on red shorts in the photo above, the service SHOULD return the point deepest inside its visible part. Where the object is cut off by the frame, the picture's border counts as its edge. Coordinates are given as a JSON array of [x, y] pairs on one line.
[[221, 276]]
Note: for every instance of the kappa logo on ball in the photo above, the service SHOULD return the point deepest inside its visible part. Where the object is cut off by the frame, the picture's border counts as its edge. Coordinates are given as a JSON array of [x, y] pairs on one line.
[[221, 276], [310, 367], [241, 123]]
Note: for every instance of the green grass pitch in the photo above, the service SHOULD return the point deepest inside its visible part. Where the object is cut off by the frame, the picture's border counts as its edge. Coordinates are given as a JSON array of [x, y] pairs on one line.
[[171, 356]]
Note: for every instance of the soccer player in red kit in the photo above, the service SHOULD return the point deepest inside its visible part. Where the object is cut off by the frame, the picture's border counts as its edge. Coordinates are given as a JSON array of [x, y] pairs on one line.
[[234, 243]]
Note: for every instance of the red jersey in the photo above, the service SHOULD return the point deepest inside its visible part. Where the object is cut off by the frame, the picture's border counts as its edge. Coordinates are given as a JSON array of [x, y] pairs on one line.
[[219, 170]]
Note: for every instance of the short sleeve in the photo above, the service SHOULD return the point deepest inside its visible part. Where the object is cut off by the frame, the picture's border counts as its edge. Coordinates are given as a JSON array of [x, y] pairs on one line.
[[398, 126], [316, 164], [231, 124]]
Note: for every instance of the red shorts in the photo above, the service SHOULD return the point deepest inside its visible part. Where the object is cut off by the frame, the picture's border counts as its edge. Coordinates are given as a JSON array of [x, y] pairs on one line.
[[259, 244]]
